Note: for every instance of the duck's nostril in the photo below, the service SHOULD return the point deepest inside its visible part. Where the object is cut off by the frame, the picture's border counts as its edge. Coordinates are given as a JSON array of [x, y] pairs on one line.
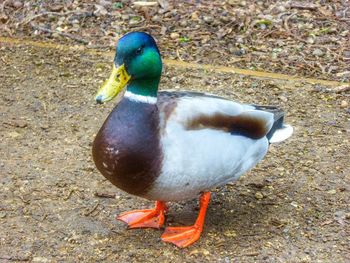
[[99, 99]]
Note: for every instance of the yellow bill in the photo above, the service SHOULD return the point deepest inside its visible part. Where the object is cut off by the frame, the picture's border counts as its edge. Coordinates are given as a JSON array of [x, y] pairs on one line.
[[114, 85]]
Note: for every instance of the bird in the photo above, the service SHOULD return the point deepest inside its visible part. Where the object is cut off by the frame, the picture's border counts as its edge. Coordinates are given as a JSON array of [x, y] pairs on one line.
[[169, 146]]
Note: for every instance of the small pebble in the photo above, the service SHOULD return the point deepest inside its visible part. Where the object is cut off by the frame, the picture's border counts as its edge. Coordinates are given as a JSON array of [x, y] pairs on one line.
[[17, 4], [174, 35], [259, 195], [243, 3], [14, 134], [346, 54], [310, 40], [201, 251], [194, 16], [332, 192], [134, 22], [344, 104], [208, 19], [2, 214], [318, 52], [3, 18], [284, 99], [294, 204], [156, 18], [281, 8], [344, 33], [183, 23], [125, 17]]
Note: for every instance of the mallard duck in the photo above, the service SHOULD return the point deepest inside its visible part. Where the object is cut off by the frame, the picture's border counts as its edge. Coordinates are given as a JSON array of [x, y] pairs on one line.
[[171, 146]]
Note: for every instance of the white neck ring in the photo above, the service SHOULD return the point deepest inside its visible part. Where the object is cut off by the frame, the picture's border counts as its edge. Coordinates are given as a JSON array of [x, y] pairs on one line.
[[140, 98]]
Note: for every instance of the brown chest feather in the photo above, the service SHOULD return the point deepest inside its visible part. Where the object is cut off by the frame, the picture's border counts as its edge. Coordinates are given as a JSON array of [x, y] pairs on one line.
[[126, 150]]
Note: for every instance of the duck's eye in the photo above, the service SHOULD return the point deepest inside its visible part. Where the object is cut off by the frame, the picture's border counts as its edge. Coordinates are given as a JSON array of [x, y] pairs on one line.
[[139, 50]]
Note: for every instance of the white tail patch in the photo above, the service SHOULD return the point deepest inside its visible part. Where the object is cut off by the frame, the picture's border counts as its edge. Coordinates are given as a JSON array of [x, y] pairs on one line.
[[282, 134]]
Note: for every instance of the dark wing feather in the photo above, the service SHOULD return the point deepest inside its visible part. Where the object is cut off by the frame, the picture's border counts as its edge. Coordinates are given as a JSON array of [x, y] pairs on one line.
[[167, 101], [247, 122]]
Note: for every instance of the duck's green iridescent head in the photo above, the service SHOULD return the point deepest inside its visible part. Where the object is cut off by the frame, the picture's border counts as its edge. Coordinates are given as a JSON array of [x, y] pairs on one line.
[[137, 66]]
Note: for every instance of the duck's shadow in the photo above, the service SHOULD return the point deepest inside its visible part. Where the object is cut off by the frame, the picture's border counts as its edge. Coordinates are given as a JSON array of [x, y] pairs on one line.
[[233, 215], [228, 210]]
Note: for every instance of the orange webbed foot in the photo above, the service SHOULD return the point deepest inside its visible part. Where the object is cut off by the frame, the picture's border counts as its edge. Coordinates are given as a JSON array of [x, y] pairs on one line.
[[186, 236], [182, 236], [148, 218]]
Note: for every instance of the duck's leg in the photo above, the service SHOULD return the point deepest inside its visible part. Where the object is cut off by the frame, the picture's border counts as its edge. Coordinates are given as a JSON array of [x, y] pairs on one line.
[[185, 236], [148, 218]]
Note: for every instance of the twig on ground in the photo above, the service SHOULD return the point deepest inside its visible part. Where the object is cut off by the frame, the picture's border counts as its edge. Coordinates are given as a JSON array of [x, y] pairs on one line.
[[3, 60], [251, 254], [178, 55], [104, 195], [301, 6], [340, 89], [14, 258], [69, 195], [3, 5], [91, 210]]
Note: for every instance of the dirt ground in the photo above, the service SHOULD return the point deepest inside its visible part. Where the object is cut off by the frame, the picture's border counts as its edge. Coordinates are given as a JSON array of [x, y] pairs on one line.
[[293, 207], [302, 37]]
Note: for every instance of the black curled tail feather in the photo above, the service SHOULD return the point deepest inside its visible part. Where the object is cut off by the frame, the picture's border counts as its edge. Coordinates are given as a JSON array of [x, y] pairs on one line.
[[278, 116]]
